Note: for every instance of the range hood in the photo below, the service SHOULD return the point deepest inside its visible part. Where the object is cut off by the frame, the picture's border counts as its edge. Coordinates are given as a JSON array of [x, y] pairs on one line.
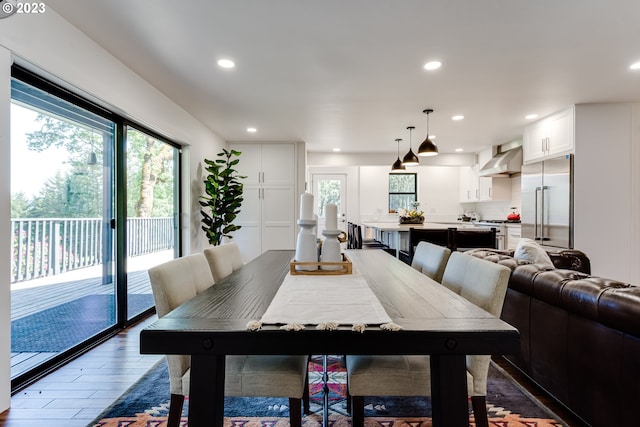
[[506, 162]]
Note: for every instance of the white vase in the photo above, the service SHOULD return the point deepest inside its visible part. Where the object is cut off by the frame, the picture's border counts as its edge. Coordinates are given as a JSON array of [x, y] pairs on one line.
[[331, 249], [306, 246]]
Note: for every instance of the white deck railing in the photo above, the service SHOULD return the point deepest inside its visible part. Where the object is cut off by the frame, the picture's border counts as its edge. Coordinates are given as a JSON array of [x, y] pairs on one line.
[[48, 246]]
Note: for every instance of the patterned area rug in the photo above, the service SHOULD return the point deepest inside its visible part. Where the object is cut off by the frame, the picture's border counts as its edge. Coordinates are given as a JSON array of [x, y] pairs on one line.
[[146, 404]]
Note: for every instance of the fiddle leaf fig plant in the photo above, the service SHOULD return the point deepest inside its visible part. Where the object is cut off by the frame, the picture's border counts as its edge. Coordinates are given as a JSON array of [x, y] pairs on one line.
[[221, 204]]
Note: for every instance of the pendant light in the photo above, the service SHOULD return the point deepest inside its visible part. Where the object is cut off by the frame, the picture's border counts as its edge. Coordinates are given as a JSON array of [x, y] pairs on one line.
[[397, 165], [427, 148], [410, 159]]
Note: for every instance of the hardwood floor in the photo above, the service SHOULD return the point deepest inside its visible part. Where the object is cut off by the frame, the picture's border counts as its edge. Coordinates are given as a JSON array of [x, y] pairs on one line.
[[75, 394], [34, 296]]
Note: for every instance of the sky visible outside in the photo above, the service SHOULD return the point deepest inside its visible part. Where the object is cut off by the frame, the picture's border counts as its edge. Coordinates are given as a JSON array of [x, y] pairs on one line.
[[30, 169]]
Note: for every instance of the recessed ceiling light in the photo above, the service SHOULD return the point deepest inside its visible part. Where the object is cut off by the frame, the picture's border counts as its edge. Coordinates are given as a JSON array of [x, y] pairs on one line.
[[432, 65], [337, 150], [458, 117], [531, 116], [226, 63], [459, 150], [635, 66], [252, 130]]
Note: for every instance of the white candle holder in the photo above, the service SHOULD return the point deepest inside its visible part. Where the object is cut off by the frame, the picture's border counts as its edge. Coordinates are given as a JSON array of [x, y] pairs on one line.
[[306, 246], [331, 249]]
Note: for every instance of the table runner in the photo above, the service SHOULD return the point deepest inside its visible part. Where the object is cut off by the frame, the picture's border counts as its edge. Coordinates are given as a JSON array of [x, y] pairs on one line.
[[315, 300]]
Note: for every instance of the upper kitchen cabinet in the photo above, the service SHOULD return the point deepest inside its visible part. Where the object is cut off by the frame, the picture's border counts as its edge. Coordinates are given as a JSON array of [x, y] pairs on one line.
[[475, 188], [550, 137], [267, 215], [469, 184]]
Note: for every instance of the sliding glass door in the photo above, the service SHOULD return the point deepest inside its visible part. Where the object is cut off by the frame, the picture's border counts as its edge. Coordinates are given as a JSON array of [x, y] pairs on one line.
[[152, 212], [62, 287], [94, 206]]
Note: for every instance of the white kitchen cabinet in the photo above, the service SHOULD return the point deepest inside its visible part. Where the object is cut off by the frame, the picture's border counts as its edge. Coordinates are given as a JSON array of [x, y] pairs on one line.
[[513, 235], [267, 215], [550, 137], [469, 184], [494, 189], [475, 188]]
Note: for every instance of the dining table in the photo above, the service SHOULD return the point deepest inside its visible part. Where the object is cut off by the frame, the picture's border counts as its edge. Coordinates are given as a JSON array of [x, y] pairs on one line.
[[427, 319]]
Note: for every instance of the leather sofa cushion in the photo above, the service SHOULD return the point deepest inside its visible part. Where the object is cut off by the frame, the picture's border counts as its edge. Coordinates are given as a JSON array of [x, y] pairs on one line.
[[522, 278], [499, 257], [569, 259], [547, 285], [619, 308], [581, 296]]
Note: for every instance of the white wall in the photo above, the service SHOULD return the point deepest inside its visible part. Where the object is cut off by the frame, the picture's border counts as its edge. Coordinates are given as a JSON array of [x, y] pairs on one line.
[[606, 189], [48, 44], [438, 193], [5, 233]]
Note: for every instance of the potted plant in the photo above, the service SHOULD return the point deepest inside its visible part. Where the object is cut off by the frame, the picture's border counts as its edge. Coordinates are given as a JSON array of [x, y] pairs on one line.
[[221, 204]]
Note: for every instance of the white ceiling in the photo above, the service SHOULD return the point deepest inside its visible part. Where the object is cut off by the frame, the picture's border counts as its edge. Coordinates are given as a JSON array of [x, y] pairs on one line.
[[348, 73]]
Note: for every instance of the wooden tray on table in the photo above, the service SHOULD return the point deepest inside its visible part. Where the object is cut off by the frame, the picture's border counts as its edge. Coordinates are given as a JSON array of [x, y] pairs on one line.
[[346, 267]]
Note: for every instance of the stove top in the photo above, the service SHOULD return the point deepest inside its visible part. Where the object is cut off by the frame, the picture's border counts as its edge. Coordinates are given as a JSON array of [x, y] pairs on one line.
[[501, 221]]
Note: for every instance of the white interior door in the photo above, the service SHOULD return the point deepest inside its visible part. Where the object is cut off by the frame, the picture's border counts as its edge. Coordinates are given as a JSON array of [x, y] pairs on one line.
[[330, 188]]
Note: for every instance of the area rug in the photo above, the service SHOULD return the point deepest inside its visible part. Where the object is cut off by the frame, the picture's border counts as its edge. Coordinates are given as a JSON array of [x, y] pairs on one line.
[[146, 404], [61, 327]]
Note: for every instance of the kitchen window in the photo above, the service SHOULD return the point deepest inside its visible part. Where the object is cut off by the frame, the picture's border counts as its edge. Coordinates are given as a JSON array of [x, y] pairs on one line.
[[403, 189]]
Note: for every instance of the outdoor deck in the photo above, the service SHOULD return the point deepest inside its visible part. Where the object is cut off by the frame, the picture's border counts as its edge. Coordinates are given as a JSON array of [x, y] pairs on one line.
[[31, 297]]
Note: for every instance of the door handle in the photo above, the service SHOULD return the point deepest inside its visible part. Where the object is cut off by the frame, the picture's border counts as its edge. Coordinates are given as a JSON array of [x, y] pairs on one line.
[[537, 218]]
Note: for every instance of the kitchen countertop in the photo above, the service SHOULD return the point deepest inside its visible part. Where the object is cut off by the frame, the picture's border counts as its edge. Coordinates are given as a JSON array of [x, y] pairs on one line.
[[394, 226]]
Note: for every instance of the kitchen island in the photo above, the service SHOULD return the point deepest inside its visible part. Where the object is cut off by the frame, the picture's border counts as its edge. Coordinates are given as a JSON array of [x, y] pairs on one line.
[[396, 236]]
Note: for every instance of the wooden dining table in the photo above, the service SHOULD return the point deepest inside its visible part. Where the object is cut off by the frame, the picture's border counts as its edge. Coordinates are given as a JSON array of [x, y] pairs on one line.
[[433, 321]]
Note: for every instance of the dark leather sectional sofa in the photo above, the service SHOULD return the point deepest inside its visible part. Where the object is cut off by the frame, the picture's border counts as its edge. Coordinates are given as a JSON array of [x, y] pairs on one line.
[[580, 335]]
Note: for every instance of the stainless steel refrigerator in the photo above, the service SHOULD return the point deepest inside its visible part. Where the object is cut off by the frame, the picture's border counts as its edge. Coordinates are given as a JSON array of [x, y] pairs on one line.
[[547, 202]]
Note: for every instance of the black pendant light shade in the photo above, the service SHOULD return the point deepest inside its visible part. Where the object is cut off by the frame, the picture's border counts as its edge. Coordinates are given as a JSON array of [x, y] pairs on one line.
[[427, 148], [410, 159], [397, 165]]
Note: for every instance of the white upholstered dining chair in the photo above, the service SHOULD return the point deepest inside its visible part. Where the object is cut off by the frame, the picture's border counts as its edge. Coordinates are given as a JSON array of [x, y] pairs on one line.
[[177, 281], [223, 259], [431, 260], [484, 284]]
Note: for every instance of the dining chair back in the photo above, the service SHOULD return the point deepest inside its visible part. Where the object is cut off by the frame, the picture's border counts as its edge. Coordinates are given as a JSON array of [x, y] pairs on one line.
[[223, 259], [173, 283], [483, 283], [177, 281], [431, 259]]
